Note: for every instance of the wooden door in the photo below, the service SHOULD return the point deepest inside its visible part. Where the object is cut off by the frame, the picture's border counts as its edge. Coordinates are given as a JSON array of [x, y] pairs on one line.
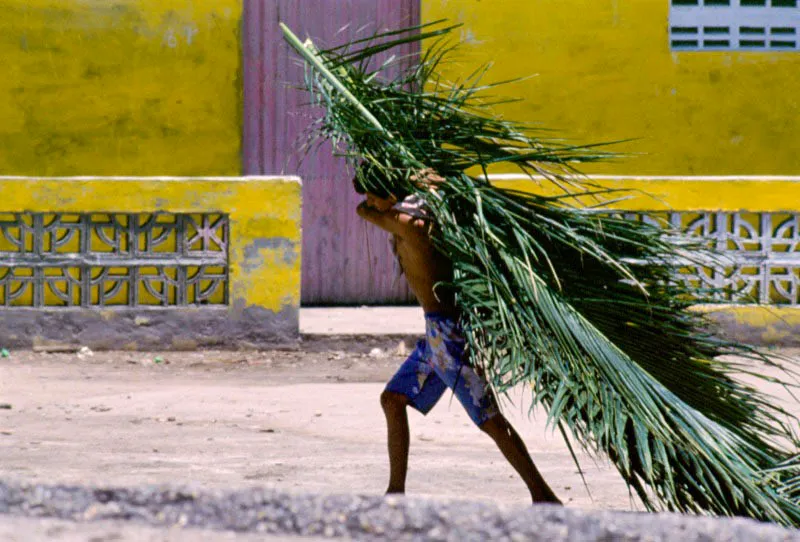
[[345, 260]]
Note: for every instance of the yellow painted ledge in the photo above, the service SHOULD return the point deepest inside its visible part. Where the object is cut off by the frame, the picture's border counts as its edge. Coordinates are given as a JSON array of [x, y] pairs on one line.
[[264, 213], [724, 194], [760, 324]]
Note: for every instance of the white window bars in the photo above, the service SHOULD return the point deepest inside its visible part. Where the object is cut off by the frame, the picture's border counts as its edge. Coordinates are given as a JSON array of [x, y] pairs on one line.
[[734, 25]]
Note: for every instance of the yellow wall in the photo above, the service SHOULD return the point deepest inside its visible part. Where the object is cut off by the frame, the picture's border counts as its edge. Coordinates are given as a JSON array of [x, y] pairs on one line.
[[605, 72], [129, 87]]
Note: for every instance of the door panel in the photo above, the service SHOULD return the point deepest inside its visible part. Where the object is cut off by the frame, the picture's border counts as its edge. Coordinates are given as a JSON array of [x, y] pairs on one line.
[[345, 260]]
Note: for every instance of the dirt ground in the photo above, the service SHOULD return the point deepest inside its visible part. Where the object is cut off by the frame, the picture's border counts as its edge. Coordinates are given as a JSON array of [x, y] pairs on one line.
[[305, 420]]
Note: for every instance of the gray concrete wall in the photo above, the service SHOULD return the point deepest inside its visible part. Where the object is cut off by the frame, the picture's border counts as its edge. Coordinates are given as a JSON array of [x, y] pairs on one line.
[[369, 517]]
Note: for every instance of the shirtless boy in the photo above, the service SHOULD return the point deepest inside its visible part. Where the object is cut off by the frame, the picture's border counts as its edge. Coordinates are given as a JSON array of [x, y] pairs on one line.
[[436, 364]]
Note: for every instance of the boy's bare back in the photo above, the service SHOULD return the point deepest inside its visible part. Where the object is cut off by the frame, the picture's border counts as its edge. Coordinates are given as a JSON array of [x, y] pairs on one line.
[[423, 265]]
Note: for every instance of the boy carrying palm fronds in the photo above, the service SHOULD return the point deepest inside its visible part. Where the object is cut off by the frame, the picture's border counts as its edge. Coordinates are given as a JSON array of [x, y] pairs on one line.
[[438, 362]]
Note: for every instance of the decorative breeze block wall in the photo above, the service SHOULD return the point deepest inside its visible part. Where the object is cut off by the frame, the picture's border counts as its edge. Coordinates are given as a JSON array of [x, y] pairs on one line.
[[760, 261], [113, 260], [158, 263], [753, 222]]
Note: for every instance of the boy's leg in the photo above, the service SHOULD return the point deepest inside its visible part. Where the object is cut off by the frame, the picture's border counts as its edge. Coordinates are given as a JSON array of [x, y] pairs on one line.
[[394, 407], [416, 385], [515, 451], [472, 390]]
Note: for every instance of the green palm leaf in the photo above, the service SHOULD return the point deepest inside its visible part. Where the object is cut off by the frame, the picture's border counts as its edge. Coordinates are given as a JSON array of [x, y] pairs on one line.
[[582, 305]]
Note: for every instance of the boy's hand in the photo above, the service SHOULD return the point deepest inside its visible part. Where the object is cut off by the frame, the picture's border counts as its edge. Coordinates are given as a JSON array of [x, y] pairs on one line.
[[427, 178], [424, 178], [379, 211]]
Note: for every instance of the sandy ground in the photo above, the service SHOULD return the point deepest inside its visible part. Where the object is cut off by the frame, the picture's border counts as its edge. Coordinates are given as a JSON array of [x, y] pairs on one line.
[[304, 420], [295, 420]]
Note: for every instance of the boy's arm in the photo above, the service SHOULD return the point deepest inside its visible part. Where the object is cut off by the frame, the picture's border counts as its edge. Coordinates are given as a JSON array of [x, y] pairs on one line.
[[382, 211], [391, 220]]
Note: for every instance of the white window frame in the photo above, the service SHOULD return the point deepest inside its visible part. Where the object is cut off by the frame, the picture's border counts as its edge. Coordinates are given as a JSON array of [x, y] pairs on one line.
[[709, 26]]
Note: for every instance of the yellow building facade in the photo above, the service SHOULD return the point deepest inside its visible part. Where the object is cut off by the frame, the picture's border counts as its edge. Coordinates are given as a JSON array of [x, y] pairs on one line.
[[139, 87], [155, 88], [130, 87], [604, 71]]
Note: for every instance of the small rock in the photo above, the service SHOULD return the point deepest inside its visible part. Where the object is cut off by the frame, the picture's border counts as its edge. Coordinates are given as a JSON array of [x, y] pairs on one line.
[[85, 352], [5, 406], [402, 349], [377, 353], [141, 321], [171, 419], [102, 511], [317, 414]]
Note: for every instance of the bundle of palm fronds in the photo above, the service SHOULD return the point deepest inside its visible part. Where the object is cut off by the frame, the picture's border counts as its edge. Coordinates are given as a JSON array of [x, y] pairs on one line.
[[582, 305]]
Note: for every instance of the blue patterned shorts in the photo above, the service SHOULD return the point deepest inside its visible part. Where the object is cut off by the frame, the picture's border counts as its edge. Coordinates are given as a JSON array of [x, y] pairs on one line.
[[435, 365]]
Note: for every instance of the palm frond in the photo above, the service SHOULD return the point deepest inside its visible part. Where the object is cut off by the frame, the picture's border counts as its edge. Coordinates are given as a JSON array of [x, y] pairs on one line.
[[582, 305]]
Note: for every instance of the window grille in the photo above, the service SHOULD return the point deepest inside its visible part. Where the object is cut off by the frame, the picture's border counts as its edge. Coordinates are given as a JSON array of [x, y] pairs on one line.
[[734, 25]]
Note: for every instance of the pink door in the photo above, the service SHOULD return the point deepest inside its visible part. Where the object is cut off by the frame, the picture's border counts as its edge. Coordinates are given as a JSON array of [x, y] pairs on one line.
[[345, 261]]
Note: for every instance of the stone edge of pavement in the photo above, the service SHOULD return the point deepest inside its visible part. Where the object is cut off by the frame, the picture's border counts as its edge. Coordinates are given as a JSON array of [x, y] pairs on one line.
[[361, 517]]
